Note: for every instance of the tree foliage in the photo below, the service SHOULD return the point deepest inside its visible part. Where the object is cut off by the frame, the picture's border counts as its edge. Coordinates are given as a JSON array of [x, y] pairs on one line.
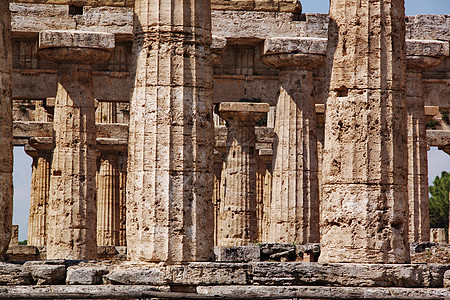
[[439, 201]]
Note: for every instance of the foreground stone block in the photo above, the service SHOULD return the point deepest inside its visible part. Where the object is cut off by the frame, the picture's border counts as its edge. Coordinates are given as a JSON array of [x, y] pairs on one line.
[[169, 187], [365, 205], [14, 274], [381, 275], [237, 254], [47, 272], [72, 214], [86, 274], [6, 146]]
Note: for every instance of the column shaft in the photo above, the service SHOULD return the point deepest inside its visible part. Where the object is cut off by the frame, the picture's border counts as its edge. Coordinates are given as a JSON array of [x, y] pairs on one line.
[[419, 222], [108, 199], [169, 188], [237, 220], [294, 212], [72, 209], [365, 206], [40, 185], [122, 198], [6, 139]]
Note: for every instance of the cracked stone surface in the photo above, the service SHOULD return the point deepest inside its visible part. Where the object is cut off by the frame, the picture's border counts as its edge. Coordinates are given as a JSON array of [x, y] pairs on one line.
[[365, 205]]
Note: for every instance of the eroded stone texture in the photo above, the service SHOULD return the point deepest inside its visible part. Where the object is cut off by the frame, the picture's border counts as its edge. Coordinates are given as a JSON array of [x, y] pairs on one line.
[[237, 224], [40, 186], [6, 146], [365, 206], [169, 187], [72, 214], [294, 208], [422, 55], [263, 193]]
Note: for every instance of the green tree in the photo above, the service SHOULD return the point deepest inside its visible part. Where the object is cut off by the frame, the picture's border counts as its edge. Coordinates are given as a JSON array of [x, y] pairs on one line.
[[439, 201]]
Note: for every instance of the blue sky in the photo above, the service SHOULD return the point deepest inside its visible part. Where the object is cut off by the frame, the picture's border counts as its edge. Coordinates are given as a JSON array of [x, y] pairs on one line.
[[437, 160], [413, 7]]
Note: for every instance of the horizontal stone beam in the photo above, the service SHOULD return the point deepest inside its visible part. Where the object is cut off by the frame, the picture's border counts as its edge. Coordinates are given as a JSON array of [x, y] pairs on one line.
[[108, 135], [322, 292], [438, 138], [218, 292]]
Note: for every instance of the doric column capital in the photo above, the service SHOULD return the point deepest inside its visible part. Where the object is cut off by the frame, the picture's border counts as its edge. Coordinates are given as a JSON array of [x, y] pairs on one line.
[[245, 113], [294, 53], [75, 47], [422, 55]]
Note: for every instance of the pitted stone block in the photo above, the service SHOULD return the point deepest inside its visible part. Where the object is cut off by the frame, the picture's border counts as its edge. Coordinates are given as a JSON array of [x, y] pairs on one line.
[[237, 253], [76, 39]]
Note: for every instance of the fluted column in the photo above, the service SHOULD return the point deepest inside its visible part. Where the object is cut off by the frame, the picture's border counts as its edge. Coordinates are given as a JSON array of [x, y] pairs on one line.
[[169, 186], [6, 139], [294, 209], [421, 56], [364, 214], [237, 223], [108, 197], [122, 199], [72, 213], [264, 194], [40, 186]]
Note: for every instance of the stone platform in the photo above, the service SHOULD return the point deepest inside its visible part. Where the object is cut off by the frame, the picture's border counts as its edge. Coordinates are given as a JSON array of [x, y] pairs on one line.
[[63, 279]]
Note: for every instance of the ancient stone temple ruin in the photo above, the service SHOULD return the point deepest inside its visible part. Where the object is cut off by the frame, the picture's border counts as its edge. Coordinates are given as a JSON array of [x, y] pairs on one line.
[[234, 149]]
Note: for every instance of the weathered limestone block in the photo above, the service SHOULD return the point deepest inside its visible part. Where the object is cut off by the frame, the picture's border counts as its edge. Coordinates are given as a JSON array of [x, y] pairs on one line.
[[6, 139], [85, 275], [237, 253], [47, 272], [421, 56], [347, 274], [13, 274], [365, 205], [294, 209], [72, 214], [169, 184], [237, 224], [40, 186]]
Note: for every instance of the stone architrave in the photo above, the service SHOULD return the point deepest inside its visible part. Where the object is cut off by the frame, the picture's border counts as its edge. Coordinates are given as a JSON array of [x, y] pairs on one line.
[[294, 208], [421, 56], [40, 186], [169, 184], [364, 213], [72, 213], [6, 138], [237, 224]]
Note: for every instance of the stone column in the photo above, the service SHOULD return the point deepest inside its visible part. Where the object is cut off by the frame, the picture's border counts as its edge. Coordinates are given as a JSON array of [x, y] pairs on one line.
[[237, 223], [40, 185], [264, 192], [72, 213], [365, 206], [421, 56], [108, 198], [6, 139], [169, 187], [122, 198], [108, 184], [294, 211]]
